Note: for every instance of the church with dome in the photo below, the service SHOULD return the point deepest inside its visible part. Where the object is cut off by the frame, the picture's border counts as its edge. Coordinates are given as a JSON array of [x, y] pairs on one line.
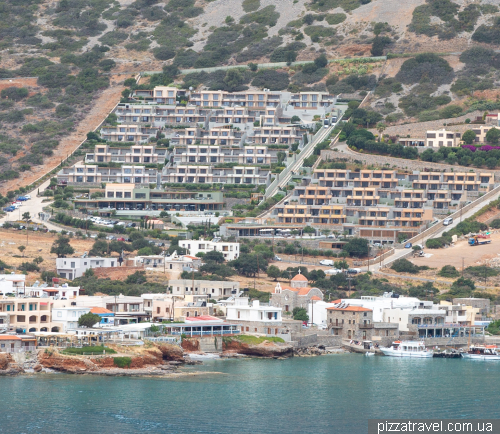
[[298, 294]]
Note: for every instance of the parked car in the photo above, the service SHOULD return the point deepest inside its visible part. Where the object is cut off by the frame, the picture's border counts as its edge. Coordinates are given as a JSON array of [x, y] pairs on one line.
[[9, 209], [331, 236], [408, 245], [354, 271], [120, 239], [333, 271], [27, 196], [110, 237], [21, 198], [277, 258], [328, 262]]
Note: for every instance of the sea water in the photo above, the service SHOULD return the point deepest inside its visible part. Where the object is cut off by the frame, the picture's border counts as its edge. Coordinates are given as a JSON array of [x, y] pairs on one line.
[[327, 394]]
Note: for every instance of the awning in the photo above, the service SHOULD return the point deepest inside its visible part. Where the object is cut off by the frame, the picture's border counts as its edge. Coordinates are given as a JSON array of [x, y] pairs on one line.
[[44, 303]]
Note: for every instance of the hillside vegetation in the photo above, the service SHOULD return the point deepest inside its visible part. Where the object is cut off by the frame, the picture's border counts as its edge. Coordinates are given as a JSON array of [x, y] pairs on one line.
[[71, 48]]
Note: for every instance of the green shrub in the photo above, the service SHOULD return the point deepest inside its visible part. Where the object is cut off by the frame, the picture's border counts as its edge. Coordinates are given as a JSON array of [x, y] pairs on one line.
[[481, 271], [428, 66], [122, 362], [271, 79], [88, 350], [488, 34], [448, 271], [318, 32], [334, 19], [251, 5], [405, 266], [266, 16], [14, 93], [163, 53]]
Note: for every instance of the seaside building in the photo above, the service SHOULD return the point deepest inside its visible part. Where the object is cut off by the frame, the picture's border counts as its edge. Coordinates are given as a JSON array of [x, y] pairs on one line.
[[298, 294], [68, 316], [254, 318]]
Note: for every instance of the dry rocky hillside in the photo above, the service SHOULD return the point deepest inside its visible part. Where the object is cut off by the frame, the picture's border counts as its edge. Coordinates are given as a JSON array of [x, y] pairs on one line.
[[64, 64]]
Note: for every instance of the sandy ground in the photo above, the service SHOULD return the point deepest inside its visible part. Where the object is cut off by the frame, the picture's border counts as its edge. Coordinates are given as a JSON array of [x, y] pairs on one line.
[[476, 255], [38, 244]]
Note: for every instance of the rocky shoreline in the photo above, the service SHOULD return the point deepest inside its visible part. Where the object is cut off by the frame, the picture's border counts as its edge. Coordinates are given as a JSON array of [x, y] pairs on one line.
[[155, 360]]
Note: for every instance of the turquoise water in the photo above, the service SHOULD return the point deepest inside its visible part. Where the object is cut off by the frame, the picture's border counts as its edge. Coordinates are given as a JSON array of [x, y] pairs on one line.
[[329, 394]]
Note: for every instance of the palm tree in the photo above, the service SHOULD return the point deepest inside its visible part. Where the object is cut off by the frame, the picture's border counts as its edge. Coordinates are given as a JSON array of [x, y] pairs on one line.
[[380, 128]]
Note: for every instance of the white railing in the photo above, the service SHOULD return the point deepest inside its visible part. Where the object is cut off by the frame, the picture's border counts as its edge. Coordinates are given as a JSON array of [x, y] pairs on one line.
[[17, 350]]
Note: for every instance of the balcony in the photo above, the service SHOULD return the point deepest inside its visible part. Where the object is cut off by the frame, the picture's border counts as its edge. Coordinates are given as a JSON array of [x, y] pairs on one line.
[[365, 326]]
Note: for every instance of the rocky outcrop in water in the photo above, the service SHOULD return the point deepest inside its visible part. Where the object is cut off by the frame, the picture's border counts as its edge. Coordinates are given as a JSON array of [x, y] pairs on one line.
[[265, 349]]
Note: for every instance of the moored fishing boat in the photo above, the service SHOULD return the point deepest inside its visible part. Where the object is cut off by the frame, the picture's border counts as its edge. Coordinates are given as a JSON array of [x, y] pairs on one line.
[[414, 349], [482, 352]]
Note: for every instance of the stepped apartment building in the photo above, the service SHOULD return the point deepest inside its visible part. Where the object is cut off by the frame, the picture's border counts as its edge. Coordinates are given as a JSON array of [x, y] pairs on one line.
[[91, 175], [197, 174], [138, 154], [220, 155], [377, 204], [127, 197], [128, 133]]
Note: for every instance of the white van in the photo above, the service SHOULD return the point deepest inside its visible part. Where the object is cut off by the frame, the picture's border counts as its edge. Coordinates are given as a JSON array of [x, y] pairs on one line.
[[327, 262], [447, 221]]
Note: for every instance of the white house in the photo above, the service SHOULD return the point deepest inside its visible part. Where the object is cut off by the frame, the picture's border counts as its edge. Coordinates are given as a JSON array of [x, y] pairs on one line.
[[68, 316], [59, 293], [12, 283], [71, 268], [229, 250], [254, 318]]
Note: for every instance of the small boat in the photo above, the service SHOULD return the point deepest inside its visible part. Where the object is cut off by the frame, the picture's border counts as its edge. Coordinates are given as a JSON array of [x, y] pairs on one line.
[[414, 349], [482, 352], [369, 353]]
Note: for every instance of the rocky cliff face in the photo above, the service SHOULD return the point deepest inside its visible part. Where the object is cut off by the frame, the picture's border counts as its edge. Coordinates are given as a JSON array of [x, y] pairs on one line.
[[151, 357], [265, 349], [171, 353], [190, 345]]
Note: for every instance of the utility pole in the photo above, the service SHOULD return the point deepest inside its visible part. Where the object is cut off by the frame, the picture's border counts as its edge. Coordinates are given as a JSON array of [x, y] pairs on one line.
[[462, 267]]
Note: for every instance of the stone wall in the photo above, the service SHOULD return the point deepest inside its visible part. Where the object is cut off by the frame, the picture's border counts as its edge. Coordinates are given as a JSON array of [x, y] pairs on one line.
[[301, 341], [330, 340]]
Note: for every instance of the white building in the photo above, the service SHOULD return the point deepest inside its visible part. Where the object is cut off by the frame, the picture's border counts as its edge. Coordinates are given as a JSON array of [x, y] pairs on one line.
[[68, 316], [379, 305], [12, 283], [229, 250], [71, 268], [243, 312], [58, 293]]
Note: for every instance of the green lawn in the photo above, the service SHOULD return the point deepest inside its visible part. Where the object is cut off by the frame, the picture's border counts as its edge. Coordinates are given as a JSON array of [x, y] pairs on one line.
[[254, 340], [87, 351]]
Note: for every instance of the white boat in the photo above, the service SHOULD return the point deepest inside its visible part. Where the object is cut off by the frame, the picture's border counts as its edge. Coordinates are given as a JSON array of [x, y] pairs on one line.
[[414, 349], [369, 353], [481, 352]]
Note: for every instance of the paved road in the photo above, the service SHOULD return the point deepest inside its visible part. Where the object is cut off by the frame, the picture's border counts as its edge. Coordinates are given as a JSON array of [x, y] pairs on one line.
[[398, 253], [33, 206]]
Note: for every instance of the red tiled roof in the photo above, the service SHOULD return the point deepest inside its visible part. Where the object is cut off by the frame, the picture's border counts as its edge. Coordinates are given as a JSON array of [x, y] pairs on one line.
[[202, 318], [300, 291], [9, 338], [97, 310], [299, 278], [351, 309], [192, 257], [337, 301]]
